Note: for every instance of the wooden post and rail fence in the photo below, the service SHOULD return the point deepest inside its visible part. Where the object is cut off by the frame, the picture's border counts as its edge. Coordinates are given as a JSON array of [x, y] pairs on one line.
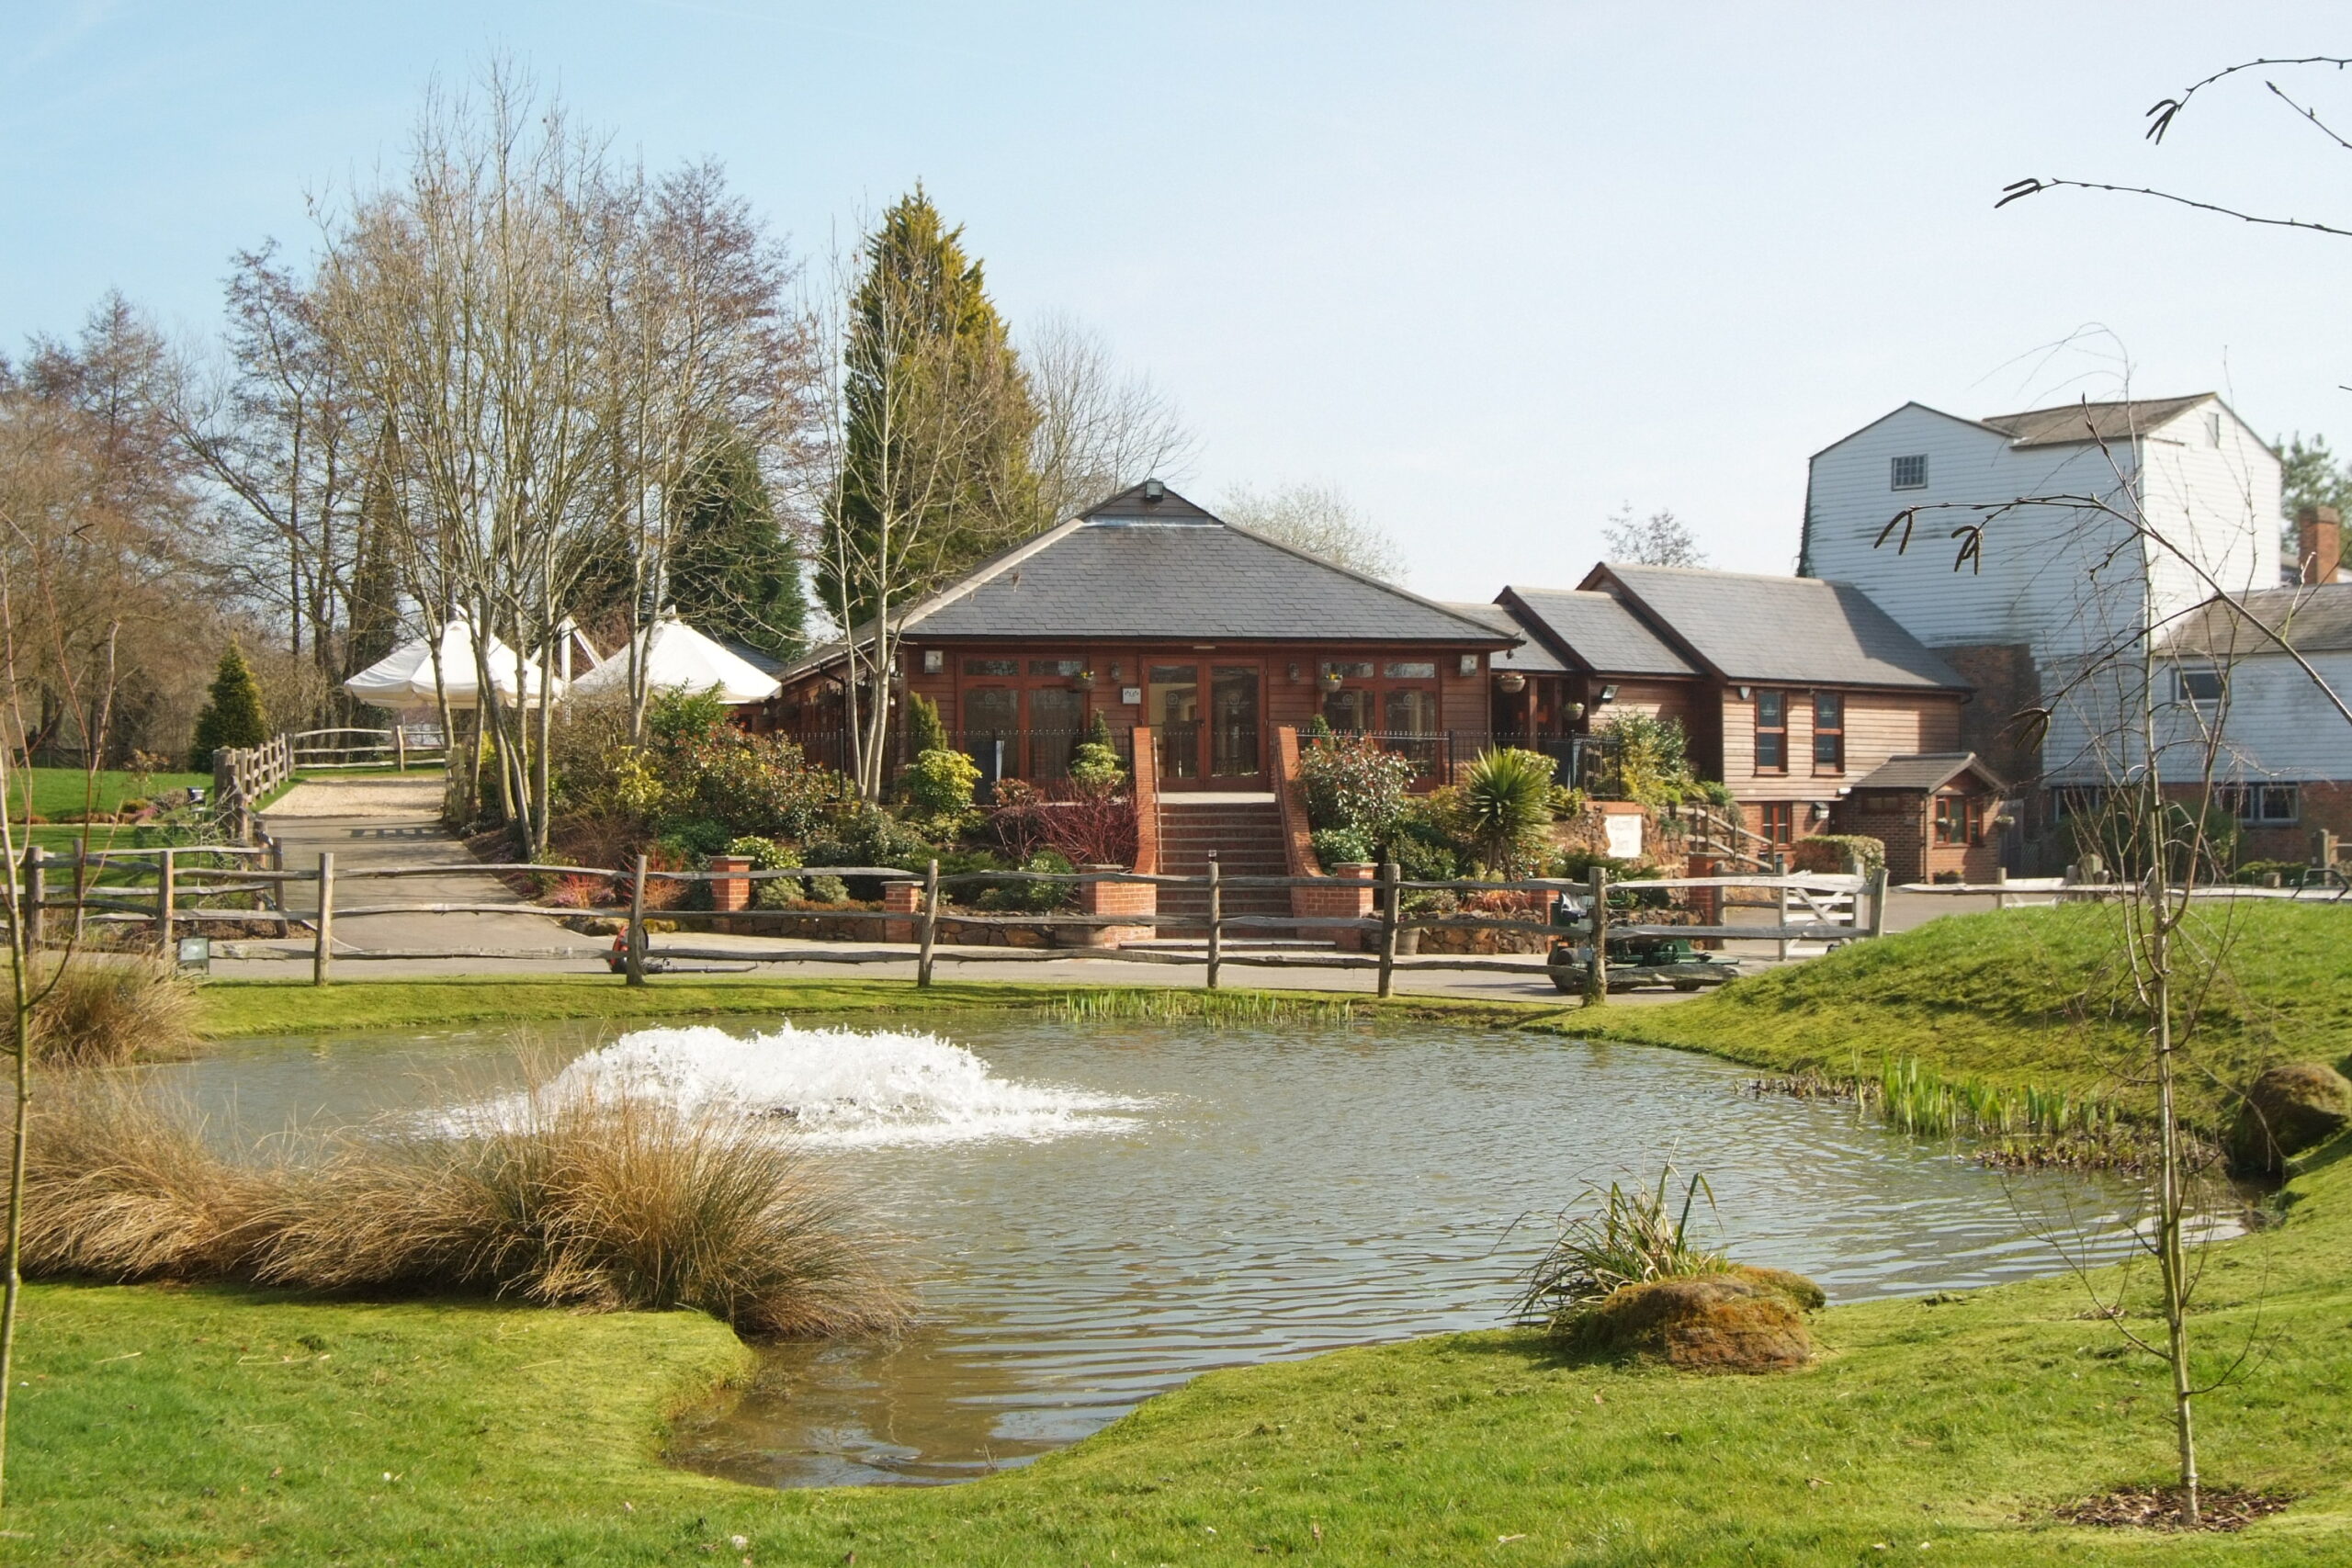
[[244, 778], [155, 894]]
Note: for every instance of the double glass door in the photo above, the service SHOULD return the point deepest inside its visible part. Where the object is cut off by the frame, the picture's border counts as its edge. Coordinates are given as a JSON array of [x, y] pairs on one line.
[[1208, 722]]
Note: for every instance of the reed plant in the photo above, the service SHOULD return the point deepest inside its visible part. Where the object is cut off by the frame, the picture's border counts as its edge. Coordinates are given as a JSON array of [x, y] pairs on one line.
[[98, 1009], [602, 1202], [1632, 1235], [1210, 1007]]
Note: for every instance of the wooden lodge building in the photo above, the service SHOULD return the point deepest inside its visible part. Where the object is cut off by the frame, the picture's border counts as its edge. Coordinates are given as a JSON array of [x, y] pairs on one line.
[[1797, 694], [1154, 615], [1147, 610]]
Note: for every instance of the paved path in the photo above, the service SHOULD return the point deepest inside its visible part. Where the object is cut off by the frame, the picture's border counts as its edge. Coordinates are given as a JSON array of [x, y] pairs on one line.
[[382, 822]]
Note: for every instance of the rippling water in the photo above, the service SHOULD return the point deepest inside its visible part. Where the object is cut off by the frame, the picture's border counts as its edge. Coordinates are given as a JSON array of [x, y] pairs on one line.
[[1162, 1199]]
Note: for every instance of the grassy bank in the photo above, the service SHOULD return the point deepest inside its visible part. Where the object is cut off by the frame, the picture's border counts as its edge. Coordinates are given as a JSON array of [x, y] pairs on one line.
[[2025, 996], [233, 1009], [217, 1424]]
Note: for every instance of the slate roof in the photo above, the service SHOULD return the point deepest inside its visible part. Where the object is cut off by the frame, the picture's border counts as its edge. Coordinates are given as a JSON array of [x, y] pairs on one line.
[[1597, 631], [1770, 630], [2312, 619], [1928, 772], [1135, 568], [2091, 421], [1529, 657], [766, 664]]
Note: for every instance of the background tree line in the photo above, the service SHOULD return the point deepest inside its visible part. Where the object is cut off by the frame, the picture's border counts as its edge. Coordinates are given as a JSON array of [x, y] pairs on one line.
[[522, 382]]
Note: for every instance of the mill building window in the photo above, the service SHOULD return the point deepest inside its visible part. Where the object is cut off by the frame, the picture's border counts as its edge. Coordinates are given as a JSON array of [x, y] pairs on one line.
[[1909, 473]]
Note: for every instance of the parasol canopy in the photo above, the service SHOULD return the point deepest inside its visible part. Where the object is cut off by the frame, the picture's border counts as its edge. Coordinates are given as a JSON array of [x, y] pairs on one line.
[[679, 659], [404, 678]]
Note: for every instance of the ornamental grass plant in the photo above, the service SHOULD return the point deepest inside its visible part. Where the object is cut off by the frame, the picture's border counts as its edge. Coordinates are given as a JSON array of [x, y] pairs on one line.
[[102, 1008], [581, 1198]]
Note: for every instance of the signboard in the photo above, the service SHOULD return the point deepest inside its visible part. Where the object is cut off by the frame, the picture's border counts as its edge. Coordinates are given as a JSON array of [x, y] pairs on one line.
[[1623, 832]]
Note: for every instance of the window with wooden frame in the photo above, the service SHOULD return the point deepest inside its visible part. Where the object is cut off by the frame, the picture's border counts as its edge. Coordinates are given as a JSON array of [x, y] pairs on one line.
[[1829, 732], [1772, 732], [1777, 821], [1960, 821]]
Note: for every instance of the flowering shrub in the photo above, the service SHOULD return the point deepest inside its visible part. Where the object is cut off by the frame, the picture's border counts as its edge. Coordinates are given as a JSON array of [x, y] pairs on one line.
[[1353, 784], [939, 786]]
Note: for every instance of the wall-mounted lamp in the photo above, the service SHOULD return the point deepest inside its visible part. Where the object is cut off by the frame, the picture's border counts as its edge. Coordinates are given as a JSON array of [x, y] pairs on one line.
[[1295, 675], [1821, 811], [1469, 664], [1743, 693], [1608, 694], [1512, 681], [935, 659]]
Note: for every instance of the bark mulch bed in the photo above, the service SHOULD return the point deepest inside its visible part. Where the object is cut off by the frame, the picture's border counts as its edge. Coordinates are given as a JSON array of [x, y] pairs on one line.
[[2159, 1508]]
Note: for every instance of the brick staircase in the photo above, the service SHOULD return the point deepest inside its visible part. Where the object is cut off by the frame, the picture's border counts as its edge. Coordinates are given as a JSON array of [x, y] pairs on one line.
[[1246, 831]]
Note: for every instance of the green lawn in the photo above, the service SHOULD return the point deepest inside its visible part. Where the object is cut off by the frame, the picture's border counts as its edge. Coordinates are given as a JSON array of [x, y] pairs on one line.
[[2025, 995], [208, 1425], [59, 792]]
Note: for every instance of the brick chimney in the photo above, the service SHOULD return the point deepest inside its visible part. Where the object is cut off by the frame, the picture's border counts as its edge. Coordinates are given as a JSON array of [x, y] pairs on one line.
[[2319, 544]]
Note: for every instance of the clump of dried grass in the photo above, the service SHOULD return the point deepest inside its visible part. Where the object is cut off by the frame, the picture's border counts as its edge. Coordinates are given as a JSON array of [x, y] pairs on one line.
[[118, 1187], [97, 1009], [609, 1204]]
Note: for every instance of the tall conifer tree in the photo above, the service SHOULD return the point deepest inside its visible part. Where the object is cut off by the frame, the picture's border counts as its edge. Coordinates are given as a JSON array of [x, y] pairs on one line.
[[922, 318], [734, 572]]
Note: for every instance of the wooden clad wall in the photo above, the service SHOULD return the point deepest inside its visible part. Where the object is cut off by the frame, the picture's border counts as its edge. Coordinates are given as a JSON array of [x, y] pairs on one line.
[[1879, 724]]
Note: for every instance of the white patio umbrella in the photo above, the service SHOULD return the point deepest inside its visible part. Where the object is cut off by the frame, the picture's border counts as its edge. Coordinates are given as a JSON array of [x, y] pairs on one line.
[[679, 659], [404, 678]]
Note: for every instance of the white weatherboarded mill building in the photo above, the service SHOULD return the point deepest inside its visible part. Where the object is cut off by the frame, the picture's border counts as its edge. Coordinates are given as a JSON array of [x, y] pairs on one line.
[[2053, 585]]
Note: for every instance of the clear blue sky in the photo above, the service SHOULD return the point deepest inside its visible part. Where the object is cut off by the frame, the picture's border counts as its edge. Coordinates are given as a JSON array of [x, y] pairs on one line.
[[1491, 269]]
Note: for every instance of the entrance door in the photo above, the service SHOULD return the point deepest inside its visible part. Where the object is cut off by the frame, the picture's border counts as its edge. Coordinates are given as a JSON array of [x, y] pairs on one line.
[[1172, 707], [1057, 720], [991, 716], [1234, 752]]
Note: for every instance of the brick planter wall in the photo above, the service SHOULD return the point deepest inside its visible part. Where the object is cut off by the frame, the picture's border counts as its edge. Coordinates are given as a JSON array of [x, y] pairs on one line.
[[1348, 896], [1113, 898]]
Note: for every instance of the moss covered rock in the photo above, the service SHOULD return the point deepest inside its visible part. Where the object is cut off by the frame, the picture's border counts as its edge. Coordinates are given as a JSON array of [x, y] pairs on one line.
[[2288, 1110], [1745, 1320]]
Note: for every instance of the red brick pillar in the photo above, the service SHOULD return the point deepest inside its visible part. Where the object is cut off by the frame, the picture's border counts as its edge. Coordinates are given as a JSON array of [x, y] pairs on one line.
[[1347, 894], [1707, 903], [732, 890], [1115, 899], [901, 898]]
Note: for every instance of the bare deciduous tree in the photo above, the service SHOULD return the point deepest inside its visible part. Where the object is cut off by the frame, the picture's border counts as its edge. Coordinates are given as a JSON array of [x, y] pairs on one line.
[[1099, 429], [1660, 539], [1320, 520]]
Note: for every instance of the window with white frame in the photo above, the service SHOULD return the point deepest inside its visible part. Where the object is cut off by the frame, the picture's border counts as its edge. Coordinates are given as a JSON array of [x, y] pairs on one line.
[[2196, 684], [1909, 473], [2261, 804]]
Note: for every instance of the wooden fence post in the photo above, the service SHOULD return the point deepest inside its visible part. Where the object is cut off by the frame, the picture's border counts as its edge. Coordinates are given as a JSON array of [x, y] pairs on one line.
[[322, 954], [1878, 902], [400, 748], [930, 925], [636, 936], [1595, 971], [2000, 888], [166, 901], [1217, 923], [81, 881], [35, 892], [1388, 912], [1780, 904]]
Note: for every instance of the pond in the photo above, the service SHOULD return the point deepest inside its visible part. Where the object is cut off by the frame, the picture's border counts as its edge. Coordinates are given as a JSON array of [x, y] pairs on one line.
[[1095, 1212]]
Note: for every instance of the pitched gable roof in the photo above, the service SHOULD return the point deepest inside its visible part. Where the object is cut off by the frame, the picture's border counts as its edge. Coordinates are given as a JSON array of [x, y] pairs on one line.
[[1800, 630], [1595, 632], [1139, 568], [2313, 618], [1529, 657], [1928, 772], [2070, 423]]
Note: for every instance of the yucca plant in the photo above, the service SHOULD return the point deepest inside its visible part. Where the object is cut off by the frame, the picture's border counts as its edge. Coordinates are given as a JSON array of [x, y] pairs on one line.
[[1506, 805]]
